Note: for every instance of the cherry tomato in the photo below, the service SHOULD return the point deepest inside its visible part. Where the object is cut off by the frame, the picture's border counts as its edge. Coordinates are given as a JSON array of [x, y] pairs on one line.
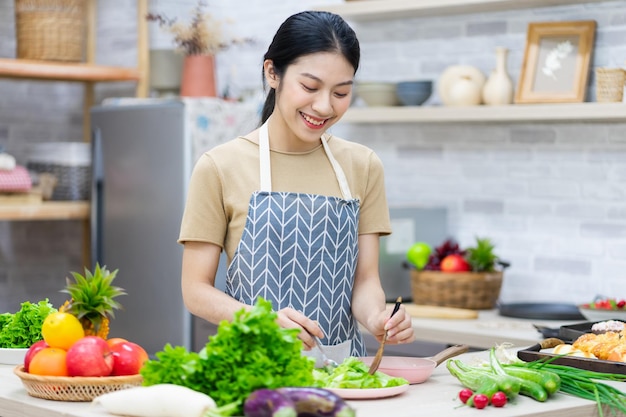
[[480, 401], [498, 399], [464, 395], [621, 304]]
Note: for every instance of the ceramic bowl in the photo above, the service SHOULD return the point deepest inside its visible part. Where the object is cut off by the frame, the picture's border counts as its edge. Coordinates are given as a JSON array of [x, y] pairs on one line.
[[596, 314], [13, 356], [376, 94], [414, 370], [414, 93]]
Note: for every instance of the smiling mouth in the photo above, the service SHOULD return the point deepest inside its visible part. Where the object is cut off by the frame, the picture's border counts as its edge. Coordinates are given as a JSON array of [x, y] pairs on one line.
[[313, 121]]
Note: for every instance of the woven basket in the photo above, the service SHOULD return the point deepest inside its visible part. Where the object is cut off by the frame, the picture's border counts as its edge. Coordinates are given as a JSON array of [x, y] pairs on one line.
[[471, 290], [50, 29], [610, 84], [73, 388]]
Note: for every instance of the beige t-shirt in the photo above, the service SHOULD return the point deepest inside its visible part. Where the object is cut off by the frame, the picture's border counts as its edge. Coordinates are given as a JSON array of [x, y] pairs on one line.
[[225, 177]]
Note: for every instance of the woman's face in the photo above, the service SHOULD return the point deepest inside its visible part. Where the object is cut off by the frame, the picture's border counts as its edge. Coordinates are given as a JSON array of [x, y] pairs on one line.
[[313, 94]]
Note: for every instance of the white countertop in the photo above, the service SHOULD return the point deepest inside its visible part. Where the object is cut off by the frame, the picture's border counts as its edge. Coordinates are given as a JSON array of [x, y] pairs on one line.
[[489, 329], [435, 397]]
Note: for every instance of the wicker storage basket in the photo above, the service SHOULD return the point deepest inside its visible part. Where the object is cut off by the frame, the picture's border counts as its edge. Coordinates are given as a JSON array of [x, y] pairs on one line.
[[471, 290], [50, 29], [73, 388], [610, 84]]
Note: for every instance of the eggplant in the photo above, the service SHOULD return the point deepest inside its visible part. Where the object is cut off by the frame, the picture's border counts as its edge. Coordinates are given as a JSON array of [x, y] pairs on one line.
[[268, 403], [317, 402]]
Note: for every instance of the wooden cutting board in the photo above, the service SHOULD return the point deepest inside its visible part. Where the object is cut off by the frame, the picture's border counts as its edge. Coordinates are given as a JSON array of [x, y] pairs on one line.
[[436, 312]]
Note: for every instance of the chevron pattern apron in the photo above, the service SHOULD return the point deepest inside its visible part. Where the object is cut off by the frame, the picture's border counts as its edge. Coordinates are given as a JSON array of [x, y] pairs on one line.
[[299, 250]]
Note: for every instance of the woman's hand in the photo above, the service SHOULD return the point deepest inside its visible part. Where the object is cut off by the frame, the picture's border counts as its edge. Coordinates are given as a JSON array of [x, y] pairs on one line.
[[289, 318], [399, 328]]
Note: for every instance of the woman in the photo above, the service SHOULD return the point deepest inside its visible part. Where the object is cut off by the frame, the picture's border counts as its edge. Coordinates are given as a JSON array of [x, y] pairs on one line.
[[298, 212]]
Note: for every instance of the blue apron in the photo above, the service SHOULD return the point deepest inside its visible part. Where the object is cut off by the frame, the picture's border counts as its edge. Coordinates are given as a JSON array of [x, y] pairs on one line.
[[300, 250]]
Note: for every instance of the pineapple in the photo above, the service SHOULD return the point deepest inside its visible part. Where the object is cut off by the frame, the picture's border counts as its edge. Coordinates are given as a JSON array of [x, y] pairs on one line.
[[92, 299], [481, 257]]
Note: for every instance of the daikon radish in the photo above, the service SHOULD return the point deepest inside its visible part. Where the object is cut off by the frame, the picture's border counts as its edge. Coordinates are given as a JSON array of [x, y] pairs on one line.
[[160, 400]]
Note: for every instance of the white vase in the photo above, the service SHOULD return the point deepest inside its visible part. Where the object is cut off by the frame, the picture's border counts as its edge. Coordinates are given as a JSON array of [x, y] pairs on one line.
[[464, 92], [498, 90]]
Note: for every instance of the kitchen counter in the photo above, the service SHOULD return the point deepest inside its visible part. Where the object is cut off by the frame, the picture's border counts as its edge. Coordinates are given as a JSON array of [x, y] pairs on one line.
[[489, 329], [435, 397]]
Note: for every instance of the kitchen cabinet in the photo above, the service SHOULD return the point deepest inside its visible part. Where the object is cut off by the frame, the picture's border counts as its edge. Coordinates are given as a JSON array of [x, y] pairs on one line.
[[88, 73], [394, 9]]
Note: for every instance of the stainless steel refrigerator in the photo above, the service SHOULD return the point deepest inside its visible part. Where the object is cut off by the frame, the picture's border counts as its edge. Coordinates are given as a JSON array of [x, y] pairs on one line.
[[141, 164], [143, 155]]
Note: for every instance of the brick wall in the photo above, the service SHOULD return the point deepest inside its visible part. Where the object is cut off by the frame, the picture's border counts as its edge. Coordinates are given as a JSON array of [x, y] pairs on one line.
[[551, 196]]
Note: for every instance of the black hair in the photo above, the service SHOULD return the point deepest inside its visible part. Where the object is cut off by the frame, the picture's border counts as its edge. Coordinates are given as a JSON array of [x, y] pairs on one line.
[[307, 33]]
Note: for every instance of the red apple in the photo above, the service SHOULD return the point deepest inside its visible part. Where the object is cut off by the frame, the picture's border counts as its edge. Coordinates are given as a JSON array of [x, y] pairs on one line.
[[128, 358], [89, 356], [32, 350], [115, 340], [454, 263]]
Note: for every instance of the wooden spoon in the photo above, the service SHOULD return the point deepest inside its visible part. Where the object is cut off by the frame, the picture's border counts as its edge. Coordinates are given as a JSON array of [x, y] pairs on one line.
[[379, 354]]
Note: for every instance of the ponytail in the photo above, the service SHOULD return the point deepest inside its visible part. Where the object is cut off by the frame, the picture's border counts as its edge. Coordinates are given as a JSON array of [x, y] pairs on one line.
[[268, 106]]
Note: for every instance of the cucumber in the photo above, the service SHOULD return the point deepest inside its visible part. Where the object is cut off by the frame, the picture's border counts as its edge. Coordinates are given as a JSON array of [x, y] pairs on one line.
[[550, 381], [268, 403], [317, 402]]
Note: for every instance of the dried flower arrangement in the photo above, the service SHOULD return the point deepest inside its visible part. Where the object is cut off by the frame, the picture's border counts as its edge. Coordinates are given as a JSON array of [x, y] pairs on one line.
[[201, 36]]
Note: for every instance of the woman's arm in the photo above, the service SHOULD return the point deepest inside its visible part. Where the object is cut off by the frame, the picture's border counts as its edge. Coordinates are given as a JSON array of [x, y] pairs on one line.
[[202, 299], [368, 298]]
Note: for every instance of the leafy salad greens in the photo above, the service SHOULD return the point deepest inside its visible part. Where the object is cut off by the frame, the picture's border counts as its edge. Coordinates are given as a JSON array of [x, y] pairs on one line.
[[250, 352], [23, 328], [353, 373]]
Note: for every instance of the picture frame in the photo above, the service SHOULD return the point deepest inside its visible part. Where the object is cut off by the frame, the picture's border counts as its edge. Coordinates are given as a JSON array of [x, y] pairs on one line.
[[556, 62]]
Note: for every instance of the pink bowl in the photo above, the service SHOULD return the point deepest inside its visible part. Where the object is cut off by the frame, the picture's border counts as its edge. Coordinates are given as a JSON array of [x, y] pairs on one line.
[[414, 370]]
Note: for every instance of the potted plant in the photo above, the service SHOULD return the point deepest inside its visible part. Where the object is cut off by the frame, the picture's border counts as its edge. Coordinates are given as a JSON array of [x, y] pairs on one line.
[[459, 277], [199, 40]]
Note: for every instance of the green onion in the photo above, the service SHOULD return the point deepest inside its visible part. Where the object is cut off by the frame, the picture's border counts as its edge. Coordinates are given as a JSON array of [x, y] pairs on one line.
[[584, 384]]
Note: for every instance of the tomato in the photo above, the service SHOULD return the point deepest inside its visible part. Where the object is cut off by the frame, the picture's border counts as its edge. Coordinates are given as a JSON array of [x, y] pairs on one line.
[[49, 361], [498, 399], [480, 401], [607, 304], [465, 394], [454, 263], [61, 330]]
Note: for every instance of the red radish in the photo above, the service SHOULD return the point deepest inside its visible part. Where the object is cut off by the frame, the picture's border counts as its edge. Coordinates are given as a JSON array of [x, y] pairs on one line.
[[480, 401], [498, 399], [465, 394]]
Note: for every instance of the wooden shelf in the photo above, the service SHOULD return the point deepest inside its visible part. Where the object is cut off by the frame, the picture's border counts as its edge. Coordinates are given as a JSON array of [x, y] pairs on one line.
[[577, 112], [45, 70], [394, 9], [49, 210]]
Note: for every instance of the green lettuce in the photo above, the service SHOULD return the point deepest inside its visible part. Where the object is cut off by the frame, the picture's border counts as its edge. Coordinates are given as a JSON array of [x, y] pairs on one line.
[[353, 373], [22, 329], [250, 352]]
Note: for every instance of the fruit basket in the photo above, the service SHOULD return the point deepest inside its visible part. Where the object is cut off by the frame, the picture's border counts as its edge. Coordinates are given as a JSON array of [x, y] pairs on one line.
[[73, 388], [471, 290], [451, 276]]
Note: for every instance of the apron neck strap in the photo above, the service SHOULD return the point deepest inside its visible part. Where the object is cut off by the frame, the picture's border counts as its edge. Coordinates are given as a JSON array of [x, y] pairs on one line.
[[266, 170]]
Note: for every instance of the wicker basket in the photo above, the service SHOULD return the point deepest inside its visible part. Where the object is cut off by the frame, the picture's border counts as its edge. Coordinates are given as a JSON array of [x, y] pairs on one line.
[[73, 388], [50, 29], [610, 84], [471, 290]]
